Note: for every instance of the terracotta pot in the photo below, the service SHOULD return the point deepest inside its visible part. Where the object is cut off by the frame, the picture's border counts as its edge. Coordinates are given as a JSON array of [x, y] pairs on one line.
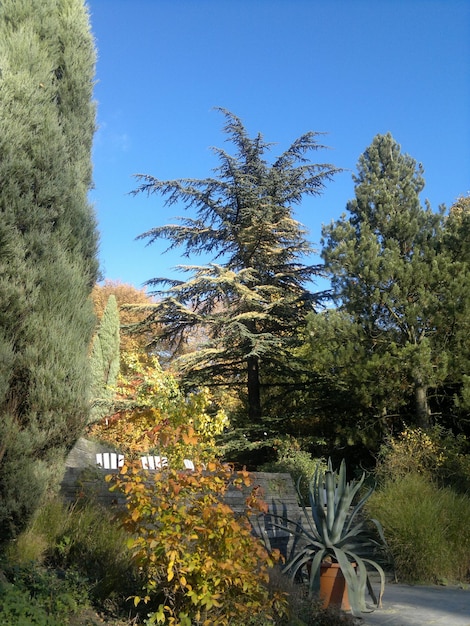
[[333, 590]]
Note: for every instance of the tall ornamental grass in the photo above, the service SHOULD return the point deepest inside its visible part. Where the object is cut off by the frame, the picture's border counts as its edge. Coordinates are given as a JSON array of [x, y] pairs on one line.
[[426, 528], [84, 537]]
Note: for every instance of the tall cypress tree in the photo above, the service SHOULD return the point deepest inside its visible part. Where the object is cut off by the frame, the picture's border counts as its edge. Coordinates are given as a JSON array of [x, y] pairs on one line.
[[252, 298], [48, 244], [105, 361]]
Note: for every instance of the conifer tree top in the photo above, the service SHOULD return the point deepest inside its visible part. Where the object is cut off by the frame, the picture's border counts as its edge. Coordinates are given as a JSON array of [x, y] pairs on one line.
[[244, 211]]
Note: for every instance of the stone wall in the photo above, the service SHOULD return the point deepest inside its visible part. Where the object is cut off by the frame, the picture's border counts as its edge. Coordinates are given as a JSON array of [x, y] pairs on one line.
[[83, 477], [83, 454]]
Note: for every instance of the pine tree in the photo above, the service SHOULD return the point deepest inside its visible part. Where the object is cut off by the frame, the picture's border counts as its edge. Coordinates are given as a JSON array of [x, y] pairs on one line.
[[457, 241], [250, 299], [48, 242], [392, 277]]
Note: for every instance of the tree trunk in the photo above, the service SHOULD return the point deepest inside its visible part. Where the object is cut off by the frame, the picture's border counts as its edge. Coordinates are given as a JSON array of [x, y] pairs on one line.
[[423, 413], [254, 395]]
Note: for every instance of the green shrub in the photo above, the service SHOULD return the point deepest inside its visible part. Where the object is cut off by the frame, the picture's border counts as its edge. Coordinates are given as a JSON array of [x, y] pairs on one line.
[[40, 536], [30, 546], [35, 595], [426, 528], [93, 542], [297, 462], [17, 609], [20, 483], [435, 453]]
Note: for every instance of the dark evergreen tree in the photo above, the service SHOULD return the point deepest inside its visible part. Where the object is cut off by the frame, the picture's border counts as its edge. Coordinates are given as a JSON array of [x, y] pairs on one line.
[[105, 361], [48, 244], [250, 300], [393, 280], [457, 241]]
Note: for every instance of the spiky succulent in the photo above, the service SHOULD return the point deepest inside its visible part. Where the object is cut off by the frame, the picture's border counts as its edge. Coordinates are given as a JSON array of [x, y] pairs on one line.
[[334, 529]]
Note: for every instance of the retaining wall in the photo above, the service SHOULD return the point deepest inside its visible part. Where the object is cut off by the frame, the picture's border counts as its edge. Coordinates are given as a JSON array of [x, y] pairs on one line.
[[83, 477]]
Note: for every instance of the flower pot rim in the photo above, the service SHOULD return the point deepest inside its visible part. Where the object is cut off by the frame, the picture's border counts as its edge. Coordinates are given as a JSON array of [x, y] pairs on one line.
[[334, 564]]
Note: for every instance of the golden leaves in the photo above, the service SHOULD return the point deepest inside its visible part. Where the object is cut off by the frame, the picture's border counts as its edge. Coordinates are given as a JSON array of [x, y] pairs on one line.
[[190, 545]]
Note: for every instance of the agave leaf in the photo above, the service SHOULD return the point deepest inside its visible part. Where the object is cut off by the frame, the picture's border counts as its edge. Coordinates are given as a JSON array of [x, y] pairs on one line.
[[314, 520], [361, 581], [344, 516], [354, 530], [330, 486], [299, 561], [358, 534], [362, 502], [314, 493], [306, 556], [380, 531], [355, 486], [315, 568], [342, 484], [299, 530], [352, 580], [378, 568], [341, 515], [316, 499]]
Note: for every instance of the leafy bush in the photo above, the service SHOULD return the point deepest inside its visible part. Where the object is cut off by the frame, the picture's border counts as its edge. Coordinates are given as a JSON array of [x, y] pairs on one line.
[[426, 528], [200, 564], [148, 399], [435, 453], [35, 595], [297, 462], [17, 609]]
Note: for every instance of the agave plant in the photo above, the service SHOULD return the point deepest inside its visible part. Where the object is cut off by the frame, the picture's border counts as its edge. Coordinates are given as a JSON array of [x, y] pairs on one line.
[[333, 529]]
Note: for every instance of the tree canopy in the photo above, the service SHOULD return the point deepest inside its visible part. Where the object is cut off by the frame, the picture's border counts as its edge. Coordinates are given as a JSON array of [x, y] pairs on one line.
[[48, 240], [394, 282], [250, 298]]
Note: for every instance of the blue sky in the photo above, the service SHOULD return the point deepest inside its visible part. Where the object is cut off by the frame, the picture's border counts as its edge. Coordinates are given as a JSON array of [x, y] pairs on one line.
[[349, 68]]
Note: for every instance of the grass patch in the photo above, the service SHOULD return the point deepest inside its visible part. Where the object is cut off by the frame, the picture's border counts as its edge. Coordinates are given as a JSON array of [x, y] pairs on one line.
[[84, 539], [426, 528]]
